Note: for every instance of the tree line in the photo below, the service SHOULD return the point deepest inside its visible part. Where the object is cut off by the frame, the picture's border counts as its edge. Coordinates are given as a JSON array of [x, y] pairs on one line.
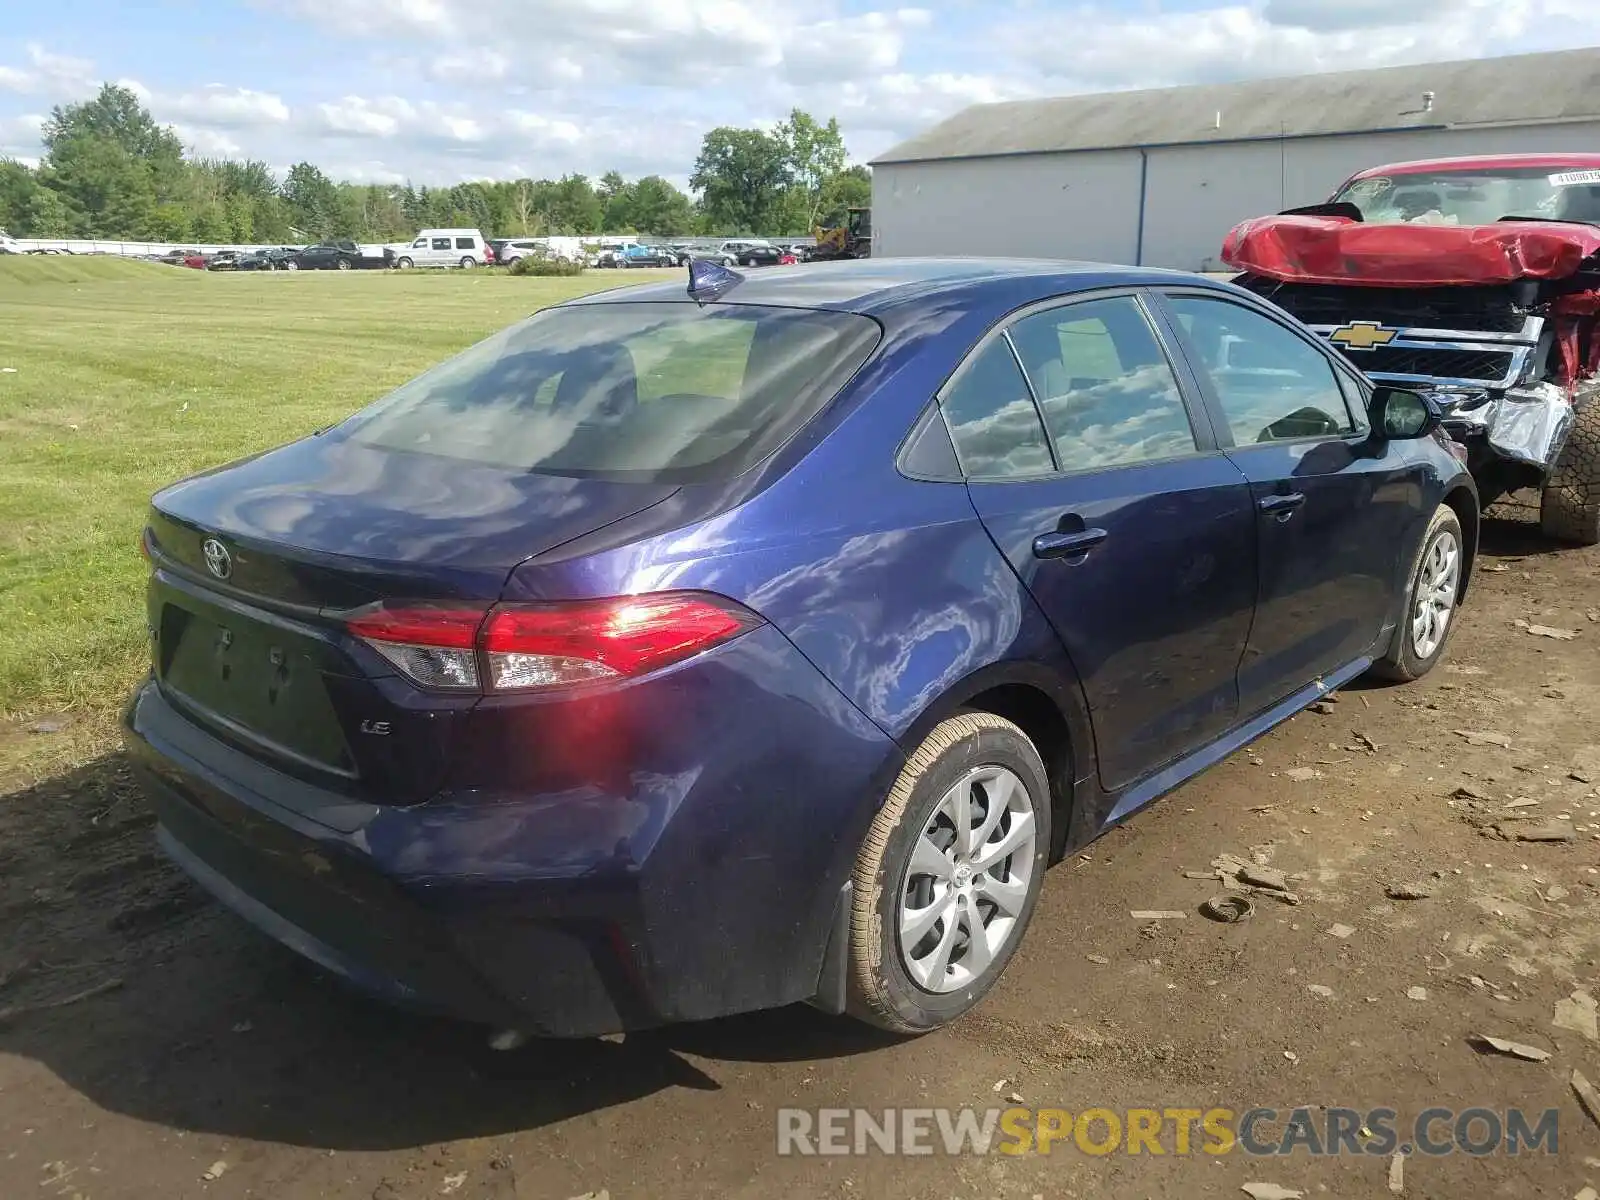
[[110, 170]]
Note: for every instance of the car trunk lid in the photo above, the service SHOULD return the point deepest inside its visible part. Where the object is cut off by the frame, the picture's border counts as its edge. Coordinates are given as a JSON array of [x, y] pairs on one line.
[[258, 565]]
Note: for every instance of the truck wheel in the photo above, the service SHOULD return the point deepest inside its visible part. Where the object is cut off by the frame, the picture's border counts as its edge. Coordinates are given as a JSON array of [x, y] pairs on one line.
[[468, 261], [1569, 510], [947, 878], [405, 264]]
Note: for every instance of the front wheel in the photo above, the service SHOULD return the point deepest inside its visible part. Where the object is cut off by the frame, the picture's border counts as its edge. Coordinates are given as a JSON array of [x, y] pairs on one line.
[[1569, 509], [948, 876], [404, 264], [291, 265], [1428, 617]]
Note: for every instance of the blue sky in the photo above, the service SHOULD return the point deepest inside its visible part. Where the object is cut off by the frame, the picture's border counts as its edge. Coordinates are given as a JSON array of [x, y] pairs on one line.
[[437, 91]]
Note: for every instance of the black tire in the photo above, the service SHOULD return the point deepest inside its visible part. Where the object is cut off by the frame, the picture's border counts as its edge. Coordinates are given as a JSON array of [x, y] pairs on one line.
[[1403, 663], [291, 265], [881, 991], [1569, 509], [344, 264], [467, 261], [404, 264]]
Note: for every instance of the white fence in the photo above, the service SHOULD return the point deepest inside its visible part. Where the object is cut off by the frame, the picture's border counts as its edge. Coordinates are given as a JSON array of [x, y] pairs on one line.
[[141, 249]]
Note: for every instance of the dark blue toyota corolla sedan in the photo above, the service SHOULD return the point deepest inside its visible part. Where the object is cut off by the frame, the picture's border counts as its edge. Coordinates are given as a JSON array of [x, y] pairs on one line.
[[671, 655]]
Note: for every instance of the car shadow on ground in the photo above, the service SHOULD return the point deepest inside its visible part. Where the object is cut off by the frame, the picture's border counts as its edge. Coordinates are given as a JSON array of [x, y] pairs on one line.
[[214, 1028], [1510, 529]]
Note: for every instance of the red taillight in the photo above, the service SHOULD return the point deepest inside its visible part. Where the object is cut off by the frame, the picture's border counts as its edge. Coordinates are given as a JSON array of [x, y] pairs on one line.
[[432, 645], [424, 625], [528, 647]]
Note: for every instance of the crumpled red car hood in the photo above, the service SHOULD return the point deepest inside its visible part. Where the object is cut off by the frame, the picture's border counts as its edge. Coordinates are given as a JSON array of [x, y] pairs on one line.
[[1323, 249]]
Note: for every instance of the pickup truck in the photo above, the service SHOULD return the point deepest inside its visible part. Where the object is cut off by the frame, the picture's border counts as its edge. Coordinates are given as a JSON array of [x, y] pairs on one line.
[[1476, 279]]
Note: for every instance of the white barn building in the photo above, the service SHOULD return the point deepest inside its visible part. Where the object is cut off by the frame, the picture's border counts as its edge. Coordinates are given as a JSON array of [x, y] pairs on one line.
[[1158, 177]]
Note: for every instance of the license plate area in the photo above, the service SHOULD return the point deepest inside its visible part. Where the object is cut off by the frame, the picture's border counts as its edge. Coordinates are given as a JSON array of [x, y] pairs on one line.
[[254, 681]]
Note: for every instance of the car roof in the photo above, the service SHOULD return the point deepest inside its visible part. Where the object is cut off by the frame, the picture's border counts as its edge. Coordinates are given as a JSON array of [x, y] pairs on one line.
[[1468, 162], [893, 287]]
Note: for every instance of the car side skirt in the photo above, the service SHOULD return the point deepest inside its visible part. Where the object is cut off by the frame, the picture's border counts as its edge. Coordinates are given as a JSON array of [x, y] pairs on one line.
[[1153, 787]]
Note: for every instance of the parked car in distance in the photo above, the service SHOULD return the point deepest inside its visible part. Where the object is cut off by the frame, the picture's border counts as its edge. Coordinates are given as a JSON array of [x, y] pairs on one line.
[[183, 258], [270, 258], [8, 244], [764, 256], [730, 251], [341, 254], [508, 251], [223, 260], [446, 248], [649, 256], [624, 617]]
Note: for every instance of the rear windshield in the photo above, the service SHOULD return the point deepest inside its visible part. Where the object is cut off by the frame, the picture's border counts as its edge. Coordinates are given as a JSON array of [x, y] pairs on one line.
[[654, 392]]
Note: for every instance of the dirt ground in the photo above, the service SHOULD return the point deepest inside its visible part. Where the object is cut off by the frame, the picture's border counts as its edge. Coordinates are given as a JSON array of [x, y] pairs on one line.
[[214, 1048]]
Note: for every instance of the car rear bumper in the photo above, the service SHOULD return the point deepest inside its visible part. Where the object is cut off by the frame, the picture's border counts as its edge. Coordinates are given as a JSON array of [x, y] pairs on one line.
[[565, 915]]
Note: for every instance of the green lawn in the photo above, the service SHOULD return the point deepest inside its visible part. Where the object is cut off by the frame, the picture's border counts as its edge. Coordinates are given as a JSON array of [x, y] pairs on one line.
[[126, 376]]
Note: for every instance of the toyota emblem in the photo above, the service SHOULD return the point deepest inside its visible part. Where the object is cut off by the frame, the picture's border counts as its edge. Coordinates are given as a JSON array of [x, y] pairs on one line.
[[218, 561]]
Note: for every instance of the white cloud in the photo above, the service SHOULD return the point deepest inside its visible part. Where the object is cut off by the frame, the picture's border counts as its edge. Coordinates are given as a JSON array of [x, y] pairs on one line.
[[543, 130], [1359, 14], [47, 74], [851, 48], [207, 143], [475, 68], [1098, 48], [222, 107], [358, 117]]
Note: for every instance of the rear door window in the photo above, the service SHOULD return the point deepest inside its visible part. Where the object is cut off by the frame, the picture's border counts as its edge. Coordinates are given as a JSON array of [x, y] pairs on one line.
[[464, 243], [648, 391]]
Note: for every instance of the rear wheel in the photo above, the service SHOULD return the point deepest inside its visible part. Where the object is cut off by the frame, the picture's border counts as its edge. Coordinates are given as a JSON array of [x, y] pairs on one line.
[[1428, 617], [468, 261], [344, 264], [291, 265], [1569, 509], [947, 878]]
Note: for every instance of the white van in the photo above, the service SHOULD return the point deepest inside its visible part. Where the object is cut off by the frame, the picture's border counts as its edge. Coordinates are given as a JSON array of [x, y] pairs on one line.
[[444, 248]]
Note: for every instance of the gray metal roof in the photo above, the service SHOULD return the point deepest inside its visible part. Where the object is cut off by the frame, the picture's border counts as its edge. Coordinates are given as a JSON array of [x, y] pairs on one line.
[[1560, 86]]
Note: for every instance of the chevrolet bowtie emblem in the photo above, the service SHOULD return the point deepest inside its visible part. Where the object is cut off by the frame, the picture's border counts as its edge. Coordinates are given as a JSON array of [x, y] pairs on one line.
[[1362, 335]]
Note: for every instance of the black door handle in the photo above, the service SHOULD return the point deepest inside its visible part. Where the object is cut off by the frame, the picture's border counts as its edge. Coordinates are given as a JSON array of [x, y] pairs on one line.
[[1067, 544], [1282, 506]]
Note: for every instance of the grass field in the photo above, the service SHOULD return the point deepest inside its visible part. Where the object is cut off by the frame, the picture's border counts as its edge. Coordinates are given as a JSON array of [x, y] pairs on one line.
[[119, 377]]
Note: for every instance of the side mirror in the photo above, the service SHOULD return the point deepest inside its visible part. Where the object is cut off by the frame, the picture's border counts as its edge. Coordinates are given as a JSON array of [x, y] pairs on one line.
[[1398, 414]]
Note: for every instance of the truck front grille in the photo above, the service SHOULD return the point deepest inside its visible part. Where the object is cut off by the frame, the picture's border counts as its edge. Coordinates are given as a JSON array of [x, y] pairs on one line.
[[1489, 366], [1481, 309]]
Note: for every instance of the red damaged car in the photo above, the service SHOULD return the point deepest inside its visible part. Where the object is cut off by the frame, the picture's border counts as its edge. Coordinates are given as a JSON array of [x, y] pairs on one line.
[[1477, 278]]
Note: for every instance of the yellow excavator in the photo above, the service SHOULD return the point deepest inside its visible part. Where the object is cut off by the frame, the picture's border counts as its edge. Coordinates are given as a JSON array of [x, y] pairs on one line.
[[853, 239]]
